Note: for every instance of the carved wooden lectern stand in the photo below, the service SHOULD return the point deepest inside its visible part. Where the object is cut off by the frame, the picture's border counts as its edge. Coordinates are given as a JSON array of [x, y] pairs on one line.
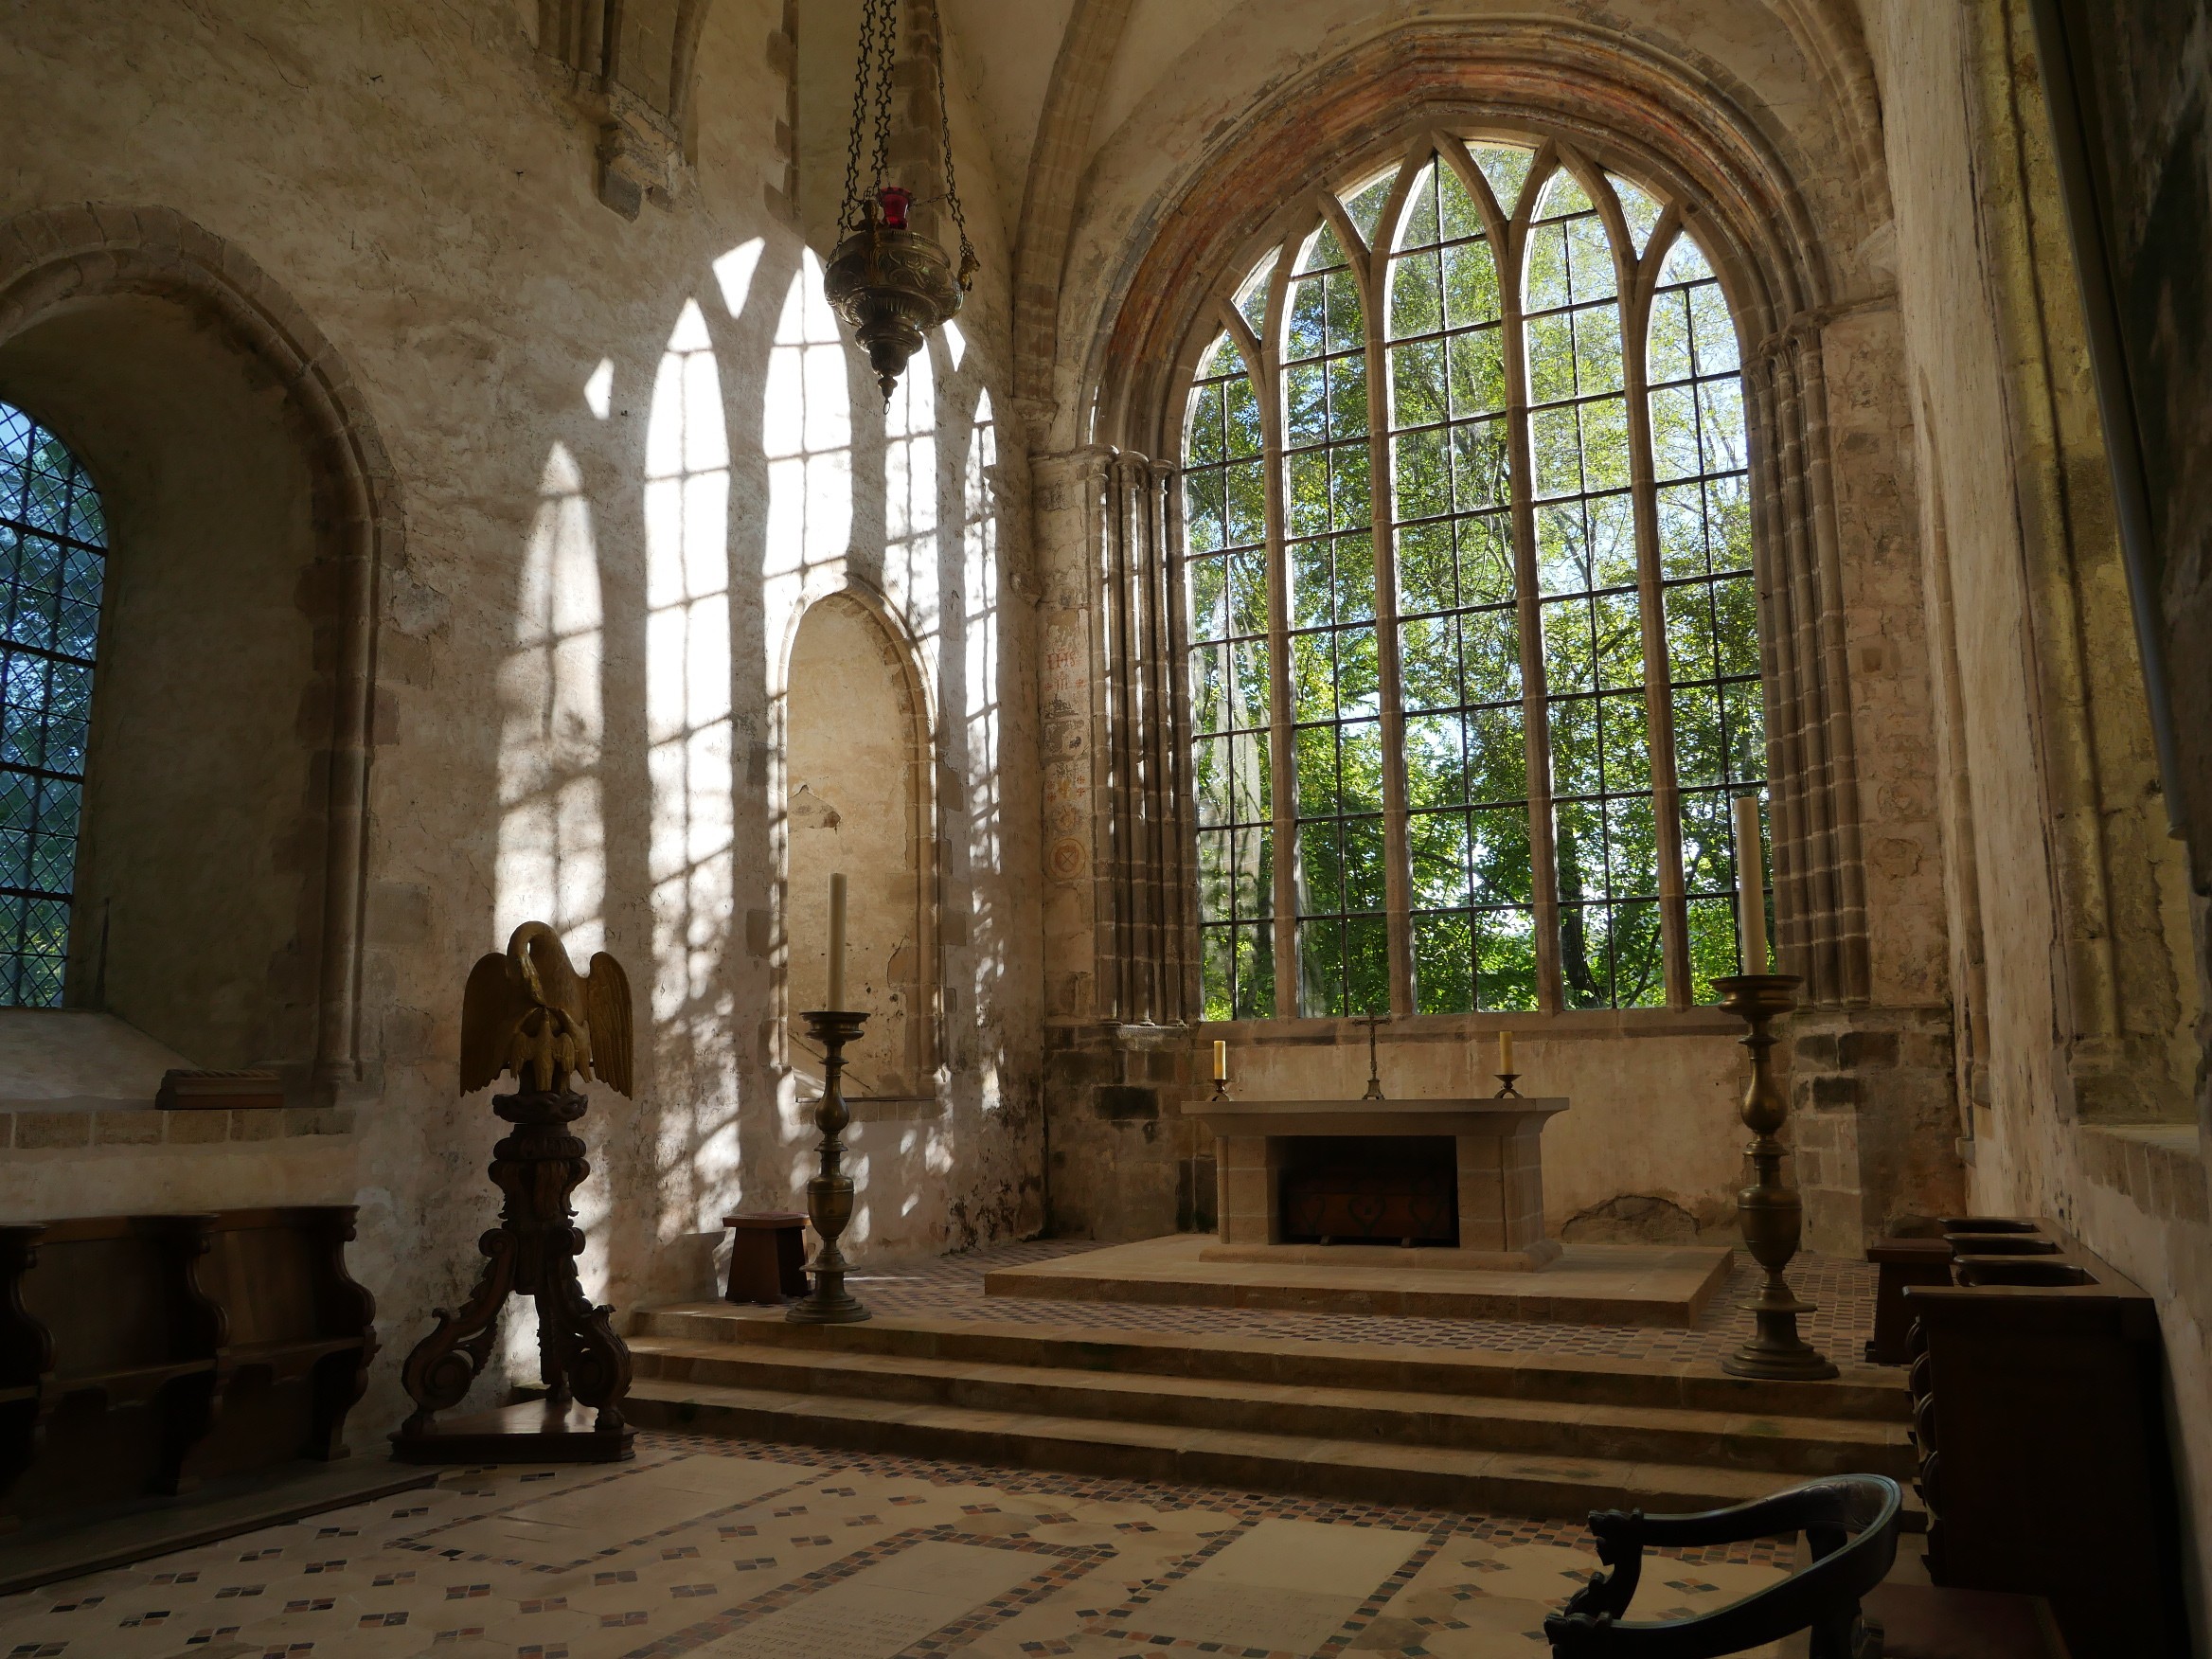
[[528, 1013]]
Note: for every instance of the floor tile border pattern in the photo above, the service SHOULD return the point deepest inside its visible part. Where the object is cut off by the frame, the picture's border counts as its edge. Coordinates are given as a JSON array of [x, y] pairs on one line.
[[1073, 1560], [1177, 1497], [1067, 1563], [1122, 1624], [415, 1542]]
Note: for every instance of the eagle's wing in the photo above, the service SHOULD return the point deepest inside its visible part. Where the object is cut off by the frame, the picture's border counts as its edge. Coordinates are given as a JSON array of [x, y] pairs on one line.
[[490, 1006], [606, 995]]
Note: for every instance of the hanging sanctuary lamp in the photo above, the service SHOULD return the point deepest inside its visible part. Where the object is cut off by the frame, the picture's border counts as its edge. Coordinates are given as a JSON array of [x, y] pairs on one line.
[[889, 282]]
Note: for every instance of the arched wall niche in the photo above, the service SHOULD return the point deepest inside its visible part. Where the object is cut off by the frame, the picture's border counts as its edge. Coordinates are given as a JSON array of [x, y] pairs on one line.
[[858, 797], [106, 312], [1602, 102]]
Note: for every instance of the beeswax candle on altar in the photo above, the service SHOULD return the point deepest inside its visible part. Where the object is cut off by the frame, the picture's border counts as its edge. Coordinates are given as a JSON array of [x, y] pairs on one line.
[[837, 940], [1751, 886], [1505, 1052], [1221, 1060]]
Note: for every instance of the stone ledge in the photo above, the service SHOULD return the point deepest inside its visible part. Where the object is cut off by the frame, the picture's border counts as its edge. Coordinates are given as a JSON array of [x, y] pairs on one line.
[[2159, 1166], [143, 1126]]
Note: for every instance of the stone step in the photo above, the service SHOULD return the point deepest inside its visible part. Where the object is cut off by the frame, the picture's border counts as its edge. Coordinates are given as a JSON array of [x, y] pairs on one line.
[[1862, 1394], [1515, 1483], [1801, 1446]]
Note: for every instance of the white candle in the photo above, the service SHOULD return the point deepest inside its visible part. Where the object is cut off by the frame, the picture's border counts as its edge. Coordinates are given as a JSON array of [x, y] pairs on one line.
[[1505, 1053], [1751, 886], [837, 940], [1221, 1060]]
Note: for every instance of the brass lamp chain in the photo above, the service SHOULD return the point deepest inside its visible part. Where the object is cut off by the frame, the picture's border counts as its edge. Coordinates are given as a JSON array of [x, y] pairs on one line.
[[968, 260], [878, 48]]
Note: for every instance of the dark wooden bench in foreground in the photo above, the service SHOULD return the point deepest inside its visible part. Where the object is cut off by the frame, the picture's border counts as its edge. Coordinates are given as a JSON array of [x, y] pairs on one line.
[[142, 1355], [2038, 1382], [1850, 1523]]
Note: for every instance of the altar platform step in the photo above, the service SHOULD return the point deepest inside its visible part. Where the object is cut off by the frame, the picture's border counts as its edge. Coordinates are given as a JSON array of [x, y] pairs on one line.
[[1528, 1435], [1665, 1287]]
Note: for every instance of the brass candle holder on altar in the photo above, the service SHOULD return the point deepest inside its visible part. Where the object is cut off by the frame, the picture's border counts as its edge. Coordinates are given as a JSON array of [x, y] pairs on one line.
[[1769, 1210], [829, 1193]]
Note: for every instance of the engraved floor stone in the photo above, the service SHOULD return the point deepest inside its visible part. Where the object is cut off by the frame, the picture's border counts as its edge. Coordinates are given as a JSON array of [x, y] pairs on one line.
[[1286, 1586], [635, 1504], [711, 1548], [885, 1607]]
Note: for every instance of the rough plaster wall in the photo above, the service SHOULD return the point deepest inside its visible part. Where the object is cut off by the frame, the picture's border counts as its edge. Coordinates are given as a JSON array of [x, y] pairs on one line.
[[568, 395], [2136, 1195], [188, 860]]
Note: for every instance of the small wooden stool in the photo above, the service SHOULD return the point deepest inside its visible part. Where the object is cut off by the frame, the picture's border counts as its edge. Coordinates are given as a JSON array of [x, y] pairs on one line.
[[1902, 1262], [768, 1256]]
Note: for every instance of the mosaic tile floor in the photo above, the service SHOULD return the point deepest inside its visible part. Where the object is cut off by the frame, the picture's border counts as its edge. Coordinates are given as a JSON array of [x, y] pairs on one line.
[[950, 1287], [736, 1550]]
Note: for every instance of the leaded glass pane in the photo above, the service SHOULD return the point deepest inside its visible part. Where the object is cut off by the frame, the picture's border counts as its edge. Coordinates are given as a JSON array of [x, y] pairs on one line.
[[1435, 388], [1638, 208], [1700, 451], [1504, 168], [1225, 586], [1451, 477], [1252, 298], [1362, 204], [53, 556]]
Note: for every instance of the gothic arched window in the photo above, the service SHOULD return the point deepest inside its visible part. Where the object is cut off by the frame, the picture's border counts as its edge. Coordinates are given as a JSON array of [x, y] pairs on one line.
[[1474, 631], [53, 553]]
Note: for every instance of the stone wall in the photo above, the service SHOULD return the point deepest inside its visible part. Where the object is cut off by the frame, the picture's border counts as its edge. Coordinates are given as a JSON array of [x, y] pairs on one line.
[[2067, 900], [622, 457]]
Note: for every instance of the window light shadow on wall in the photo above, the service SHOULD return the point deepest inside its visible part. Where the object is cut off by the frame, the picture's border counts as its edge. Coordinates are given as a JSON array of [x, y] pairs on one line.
[[806, 434], [691, 845], [551, 861], [552, 832], [985, 805]]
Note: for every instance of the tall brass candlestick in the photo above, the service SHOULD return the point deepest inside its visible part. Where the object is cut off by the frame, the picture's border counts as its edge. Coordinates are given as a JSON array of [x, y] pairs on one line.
[[1769, 1210], [829, 1193]]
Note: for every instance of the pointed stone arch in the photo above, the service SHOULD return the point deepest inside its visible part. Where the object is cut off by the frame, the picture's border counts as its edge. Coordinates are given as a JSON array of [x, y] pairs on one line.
[[1619, 104], [857, 793], [55, 258]]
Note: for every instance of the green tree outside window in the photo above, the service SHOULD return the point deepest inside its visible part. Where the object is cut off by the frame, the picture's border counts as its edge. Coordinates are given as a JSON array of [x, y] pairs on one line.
[[1517, 645]]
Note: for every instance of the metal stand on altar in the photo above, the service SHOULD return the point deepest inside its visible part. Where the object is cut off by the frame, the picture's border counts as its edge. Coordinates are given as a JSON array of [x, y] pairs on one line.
[[829, 1193], [529, 1013], [1374, 1023], [1769, 1210]]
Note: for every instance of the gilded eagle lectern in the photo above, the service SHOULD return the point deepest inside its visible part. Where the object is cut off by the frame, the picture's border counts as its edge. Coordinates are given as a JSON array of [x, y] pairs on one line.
[[528, 1013]]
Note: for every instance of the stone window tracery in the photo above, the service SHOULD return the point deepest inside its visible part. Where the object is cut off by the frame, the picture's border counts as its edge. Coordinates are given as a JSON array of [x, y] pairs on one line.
[[1482, 762], [53, 556]]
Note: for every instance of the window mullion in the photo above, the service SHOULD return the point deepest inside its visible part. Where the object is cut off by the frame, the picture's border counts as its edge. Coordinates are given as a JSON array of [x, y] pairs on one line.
[[1283, 791], [1535, 716], [1658, 681], [1397, 851]]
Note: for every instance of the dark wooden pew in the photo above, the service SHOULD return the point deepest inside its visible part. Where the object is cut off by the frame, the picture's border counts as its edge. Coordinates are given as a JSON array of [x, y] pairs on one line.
[[142, 1354]]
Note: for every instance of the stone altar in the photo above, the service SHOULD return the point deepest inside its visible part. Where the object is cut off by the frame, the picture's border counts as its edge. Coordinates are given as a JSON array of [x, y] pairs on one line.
[[1499, 1170]]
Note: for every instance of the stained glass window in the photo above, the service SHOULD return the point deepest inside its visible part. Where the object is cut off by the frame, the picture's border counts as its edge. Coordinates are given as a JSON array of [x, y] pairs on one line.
[[1511, 724], [53, 553]]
